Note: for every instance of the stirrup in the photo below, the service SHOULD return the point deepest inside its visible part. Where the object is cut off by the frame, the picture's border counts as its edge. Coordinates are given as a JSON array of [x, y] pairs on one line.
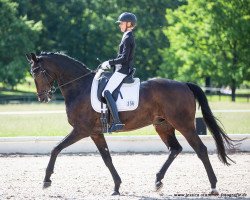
[[115, 127]]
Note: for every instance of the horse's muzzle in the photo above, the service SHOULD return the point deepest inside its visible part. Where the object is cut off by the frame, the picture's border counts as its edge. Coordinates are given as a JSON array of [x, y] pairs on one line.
[[44, 97]]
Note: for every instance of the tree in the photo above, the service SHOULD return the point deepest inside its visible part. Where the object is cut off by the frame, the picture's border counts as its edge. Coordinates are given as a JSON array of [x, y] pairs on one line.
[[17, 36], [209, 38], [82, 29], [87, 30]]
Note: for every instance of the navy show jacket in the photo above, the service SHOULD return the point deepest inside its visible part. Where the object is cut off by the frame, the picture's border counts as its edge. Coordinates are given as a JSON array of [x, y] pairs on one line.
[[126, 52]]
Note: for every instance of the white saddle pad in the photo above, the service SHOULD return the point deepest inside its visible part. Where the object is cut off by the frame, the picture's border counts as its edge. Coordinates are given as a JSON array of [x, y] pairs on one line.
[[129, 100]]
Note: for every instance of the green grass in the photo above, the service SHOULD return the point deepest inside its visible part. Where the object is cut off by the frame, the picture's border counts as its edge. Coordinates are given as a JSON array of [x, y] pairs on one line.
[[57, 124], [34, 125]]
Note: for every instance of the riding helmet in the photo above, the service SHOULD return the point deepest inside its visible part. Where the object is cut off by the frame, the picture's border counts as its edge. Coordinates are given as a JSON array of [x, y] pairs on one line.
[[127, 17]]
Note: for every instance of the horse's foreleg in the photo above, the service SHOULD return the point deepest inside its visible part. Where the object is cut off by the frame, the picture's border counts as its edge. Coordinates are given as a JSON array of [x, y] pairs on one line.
[[67, 141], [166, 132], [102, 146]]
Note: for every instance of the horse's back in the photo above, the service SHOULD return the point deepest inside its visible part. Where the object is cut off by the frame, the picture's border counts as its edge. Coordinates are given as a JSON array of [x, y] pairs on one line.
[[170, 95], [165, 85]]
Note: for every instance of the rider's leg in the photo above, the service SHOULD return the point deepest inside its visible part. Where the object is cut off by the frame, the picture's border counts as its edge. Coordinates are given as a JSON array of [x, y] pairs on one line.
[[113, 83], [117, 124]]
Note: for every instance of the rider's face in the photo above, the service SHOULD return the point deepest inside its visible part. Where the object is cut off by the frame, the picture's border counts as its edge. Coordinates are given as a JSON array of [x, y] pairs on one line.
[[123, 26]]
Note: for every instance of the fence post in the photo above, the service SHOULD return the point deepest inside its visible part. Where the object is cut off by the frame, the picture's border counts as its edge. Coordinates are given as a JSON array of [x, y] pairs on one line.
[[200, 126]]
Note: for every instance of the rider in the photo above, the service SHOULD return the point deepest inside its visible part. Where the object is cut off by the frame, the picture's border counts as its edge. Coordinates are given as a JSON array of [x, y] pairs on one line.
[[123, 64]]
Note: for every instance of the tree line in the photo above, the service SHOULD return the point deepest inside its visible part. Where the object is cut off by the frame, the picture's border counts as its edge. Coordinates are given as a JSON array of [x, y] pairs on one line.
[[185, 40]]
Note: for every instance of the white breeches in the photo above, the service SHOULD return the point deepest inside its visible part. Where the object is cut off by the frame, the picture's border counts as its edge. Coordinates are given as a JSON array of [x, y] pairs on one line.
[[114, 82]]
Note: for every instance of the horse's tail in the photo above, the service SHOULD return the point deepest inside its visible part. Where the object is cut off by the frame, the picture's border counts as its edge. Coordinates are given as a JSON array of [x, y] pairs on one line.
[[222, 141]]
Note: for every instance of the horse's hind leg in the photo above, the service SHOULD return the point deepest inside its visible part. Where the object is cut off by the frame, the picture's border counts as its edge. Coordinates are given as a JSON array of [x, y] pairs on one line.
[[102, 146], [166, 132], [201, 151], [67, 141]]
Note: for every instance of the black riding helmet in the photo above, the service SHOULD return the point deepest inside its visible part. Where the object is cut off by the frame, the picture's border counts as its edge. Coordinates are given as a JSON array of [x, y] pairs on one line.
[[127, 17]]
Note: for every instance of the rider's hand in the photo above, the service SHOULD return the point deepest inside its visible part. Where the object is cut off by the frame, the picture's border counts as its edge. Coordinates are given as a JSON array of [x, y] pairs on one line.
[[105, 65], [98, 74]]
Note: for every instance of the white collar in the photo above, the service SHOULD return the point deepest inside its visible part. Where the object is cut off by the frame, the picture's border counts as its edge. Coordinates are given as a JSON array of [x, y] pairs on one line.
[[125, 33]]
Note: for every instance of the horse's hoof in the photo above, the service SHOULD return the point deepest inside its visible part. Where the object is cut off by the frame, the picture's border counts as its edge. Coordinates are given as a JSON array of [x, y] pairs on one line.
[[46, 184], [115, 193], [214, 192], [158, 186]]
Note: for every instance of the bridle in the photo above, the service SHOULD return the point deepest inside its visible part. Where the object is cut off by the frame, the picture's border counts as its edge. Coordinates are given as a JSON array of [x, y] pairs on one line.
[[41, 71], [45, 75]]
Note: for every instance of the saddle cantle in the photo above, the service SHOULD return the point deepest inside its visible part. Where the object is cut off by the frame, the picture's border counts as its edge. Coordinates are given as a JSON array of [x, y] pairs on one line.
[[126, 95]]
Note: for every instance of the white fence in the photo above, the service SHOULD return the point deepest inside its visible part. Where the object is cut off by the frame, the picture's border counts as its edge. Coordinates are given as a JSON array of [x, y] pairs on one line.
[[44, 145]]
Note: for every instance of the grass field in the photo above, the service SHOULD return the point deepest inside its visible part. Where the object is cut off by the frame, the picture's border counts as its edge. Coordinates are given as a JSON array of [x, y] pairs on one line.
[[57, 125]]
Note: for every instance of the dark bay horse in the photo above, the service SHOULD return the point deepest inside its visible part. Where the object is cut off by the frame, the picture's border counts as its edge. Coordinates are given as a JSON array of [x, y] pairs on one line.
[[168, 105]]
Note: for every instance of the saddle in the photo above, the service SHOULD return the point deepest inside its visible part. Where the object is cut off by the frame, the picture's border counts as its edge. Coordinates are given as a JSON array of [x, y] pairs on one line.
[[126, 96], [104, 78]]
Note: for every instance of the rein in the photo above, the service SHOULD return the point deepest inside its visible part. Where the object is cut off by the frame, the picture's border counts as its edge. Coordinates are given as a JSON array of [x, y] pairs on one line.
[[59, 86]]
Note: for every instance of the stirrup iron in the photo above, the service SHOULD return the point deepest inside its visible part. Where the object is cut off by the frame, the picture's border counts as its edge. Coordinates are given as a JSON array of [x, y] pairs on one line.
[[116, 127]]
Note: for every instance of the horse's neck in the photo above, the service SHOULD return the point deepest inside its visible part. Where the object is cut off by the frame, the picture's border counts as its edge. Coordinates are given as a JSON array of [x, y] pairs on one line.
[[69, 72], [73, 80]]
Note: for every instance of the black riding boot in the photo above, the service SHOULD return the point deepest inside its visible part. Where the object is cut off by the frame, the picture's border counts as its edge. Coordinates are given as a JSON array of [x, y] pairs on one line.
[[116, 125]]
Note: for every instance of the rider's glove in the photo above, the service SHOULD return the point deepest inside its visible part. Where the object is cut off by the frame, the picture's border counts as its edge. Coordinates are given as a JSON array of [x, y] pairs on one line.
[[105, 65]]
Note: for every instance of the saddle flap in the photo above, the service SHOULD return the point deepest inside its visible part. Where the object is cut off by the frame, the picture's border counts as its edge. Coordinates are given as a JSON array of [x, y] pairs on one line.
[[127, 97]]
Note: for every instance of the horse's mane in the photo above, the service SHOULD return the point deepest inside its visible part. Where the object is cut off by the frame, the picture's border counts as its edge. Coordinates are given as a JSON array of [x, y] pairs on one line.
[[63, 55]]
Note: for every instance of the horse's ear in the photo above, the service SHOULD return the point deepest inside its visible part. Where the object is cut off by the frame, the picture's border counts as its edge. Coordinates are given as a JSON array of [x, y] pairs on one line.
[[28, 57], [33, 57]]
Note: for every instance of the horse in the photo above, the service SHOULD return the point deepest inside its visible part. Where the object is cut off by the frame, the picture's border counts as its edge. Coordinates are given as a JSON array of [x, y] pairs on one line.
[[167, 104]]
